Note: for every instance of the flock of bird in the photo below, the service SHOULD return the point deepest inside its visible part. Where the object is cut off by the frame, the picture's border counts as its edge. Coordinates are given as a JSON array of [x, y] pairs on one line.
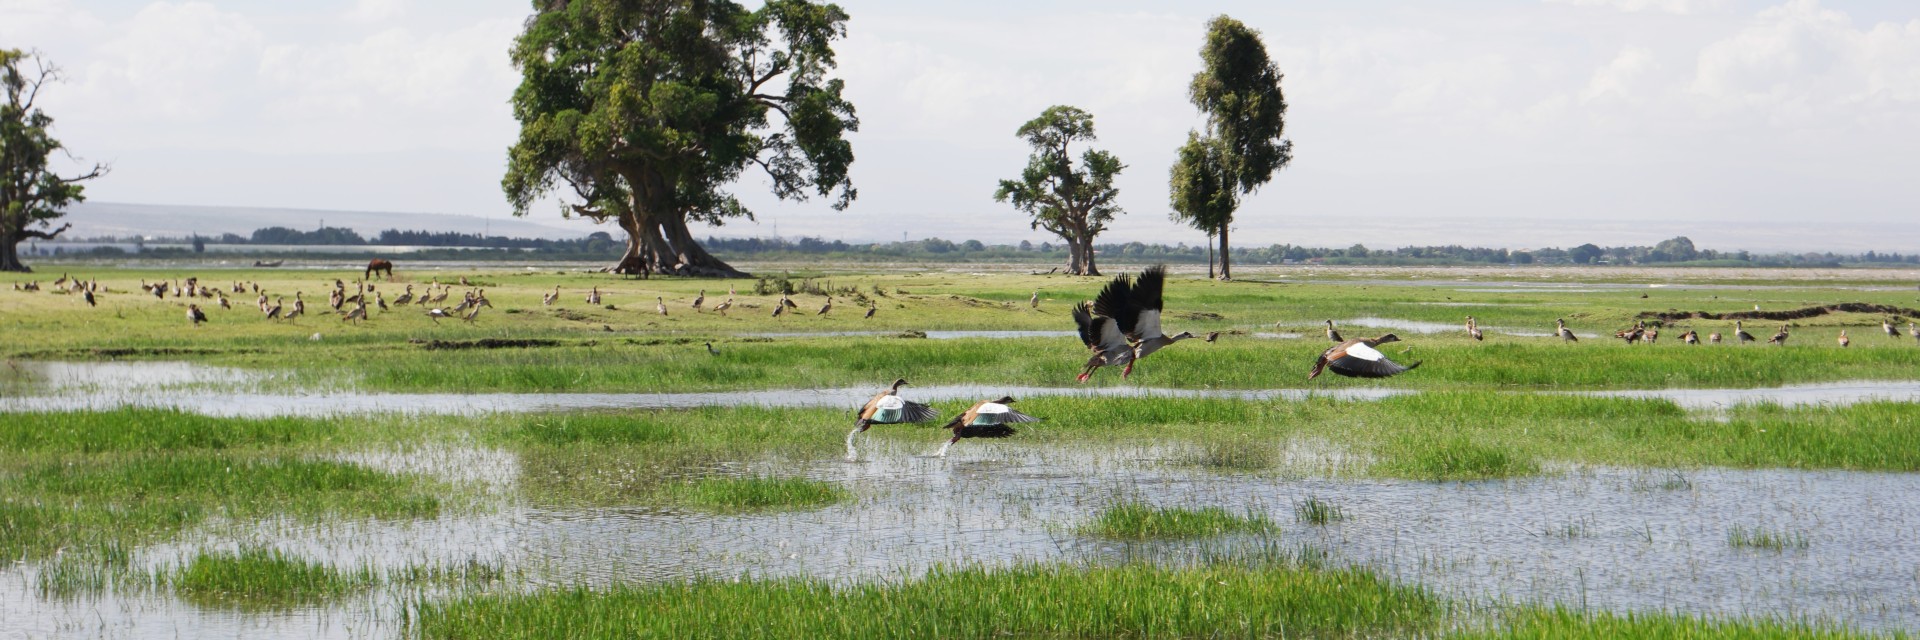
[[1640, 332]]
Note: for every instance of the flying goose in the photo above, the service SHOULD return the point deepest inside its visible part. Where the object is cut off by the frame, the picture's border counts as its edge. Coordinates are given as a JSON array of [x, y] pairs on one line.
[[1360, 359], [986, 419], [887, 407], [1102, 336], [1135, 305]]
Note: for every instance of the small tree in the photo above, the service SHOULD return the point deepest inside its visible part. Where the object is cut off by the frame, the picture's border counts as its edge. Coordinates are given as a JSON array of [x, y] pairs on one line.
[[1238, 88], [1074, 203], [32, 196]]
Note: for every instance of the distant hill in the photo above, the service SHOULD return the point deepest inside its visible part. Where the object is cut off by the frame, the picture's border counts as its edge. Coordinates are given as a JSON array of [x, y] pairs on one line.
[[92, 219]]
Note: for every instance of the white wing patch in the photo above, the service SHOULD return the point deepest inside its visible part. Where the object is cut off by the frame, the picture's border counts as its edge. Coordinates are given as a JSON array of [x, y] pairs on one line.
[[1364, 352], [892, 402]]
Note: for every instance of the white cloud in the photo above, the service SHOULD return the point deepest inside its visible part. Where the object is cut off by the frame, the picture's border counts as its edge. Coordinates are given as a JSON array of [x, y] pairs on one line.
[[1621, 77], [1800, 63], [377, 10]]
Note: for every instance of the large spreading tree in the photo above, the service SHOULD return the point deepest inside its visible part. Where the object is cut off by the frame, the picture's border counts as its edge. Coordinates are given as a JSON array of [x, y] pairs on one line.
[[1073, 202], [1238, 89], [643, 111], [32, 195]]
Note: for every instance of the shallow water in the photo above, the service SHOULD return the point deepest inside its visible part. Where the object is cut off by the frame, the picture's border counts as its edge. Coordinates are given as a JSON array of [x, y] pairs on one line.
[[1607, 538], [1829, 393]]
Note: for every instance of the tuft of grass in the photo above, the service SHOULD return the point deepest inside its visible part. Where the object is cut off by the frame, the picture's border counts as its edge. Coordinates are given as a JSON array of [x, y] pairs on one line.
[[1134, 521], [1458, 459], [1573, 624], [1764, 539], [91, 503], [262, 578], [1238, 454], [1317, 512], [1050, 601], [757, 493]]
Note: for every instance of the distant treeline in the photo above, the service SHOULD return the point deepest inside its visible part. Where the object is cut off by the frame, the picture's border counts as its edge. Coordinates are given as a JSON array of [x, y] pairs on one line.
[[602, 245]]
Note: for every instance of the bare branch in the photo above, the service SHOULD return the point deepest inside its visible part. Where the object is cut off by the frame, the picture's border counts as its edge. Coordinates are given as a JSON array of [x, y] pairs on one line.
[[44, 235]]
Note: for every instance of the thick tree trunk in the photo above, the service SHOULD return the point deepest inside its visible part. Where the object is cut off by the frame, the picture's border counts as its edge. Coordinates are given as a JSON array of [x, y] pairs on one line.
[[10, 255], [1086, 256], [691, 258], [1073, 256], [1226, 271]]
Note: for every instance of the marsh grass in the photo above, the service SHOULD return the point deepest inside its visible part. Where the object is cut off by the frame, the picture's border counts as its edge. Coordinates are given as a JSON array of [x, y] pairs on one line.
[[727, 494], [1457, 459], [93, 503], [1241, 454], [262, 578], [1136, 521], [1317, 512], [1564, 622], [153, 430], [1037, 601], [1766, 539]]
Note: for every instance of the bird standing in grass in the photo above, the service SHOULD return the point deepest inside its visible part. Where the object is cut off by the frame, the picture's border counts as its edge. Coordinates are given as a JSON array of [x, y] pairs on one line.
[[1887, 325], [87, 294], [1740, 334], [548, 300], [660, 305], [1360, 359], [724, 306], [871, 307], [1212, 336], [1913, 331], [825, 307], [194, 315], [888, 407], [699, 300], [1714, 337], [437, 314], [1034, 300], [404, 298], [593, 297], [1560, 329], [1779, 338], [1844, 342], [1691, 337], [712, 351], [985, 419], [1333, 335], [1473, 329]]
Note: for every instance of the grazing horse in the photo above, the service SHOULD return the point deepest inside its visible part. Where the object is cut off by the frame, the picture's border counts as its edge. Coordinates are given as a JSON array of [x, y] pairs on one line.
[[378, 265]]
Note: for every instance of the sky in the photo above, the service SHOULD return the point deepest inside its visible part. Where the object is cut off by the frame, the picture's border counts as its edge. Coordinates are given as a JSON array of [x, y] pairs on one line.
[[1522, 122]]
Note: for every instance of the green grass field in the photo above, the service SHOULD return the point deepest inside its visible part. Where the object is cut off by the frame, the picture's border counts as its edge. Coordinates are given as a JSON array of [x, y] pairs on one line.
[[84, 494]]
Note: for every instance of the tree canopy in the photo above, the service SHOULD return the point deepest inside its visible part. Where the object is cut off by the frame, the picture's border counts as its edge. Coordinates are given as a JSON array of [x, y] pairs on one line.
[[1238, 89], [32, 195], [644, 111], [1073, 202]]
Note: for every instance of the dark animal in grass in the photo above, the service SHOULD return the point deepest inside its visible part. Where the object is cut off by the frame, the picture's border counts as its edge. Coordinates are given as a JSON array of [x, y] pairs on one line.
[[887, 407], [1560, 329], [378, 265], [985, 419], [1360, 359], [1740, 333], [1333, 335]]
